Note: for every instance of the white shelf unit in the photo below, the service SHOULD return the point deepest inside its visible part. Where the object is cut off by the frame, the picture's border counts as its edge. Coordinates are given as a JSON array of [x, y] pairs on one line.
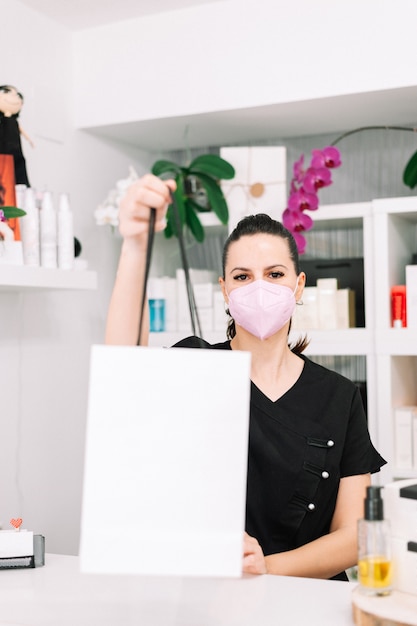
[[395, 348], [20, 277]]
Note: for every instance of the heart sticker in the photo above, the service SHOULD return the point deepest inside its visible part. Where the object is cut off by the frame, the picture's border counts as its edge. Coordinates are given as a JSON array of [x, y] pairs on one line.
[[16, 522]]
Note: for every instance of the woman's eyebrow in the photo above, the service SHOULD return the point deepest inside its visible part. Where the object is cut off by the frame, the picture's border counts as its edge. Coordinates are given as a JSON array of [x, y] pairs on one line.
[[269, 267], [240, 269]]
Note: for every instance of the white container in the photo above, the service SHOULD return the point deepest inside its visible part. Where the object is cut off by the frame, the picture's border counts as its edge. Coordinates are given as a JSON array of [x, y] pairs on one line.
[[403, 436], [11, 252], [411, 284], [401, 510], [306, 315], [48, 232], [20, 191], [327, 303], [345, 303], [65, 233], [29, 230]]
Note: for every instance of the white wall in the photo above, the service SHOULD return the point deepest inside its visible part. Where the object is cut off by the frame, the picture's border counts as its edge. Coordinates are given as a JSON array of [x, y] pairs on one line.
[[235, 54], [45, 337]]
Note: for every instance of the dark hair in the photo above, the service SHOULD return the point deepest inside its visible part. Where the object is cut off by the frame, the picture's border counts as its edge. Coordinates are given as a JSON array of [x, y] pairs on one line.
[[7, 89], [262, 224]]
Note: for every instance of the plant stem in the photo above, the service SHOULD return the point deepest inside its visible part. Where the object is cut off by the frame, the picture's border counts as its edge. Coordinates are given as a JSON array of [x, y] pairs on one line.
[[357, 130]]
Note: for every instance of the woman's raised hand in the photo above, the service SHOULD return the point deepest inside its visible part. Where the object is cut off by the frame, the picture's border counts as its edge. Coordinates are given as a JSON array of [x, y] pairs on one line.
[[146, 193], [134, 216]]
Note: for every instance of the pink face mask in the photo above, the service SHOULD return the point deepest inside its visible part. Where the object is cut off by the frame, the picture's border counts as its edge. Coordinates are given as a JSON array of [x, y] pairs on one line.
[[262, 308]]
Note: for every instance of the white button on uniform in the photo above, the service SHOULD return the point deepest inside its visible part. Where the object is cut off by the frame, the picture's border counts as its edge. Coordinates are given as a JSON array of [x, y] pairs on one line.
[[311, 506], [330, 443], [325, 474]]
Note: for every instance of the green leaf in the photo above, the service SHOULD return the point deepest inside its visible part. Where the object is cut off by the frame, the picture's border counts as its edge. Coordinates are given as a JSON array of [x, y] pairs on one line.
[[12, 211], [212, 165], [193, 222], [198, 207], [165, 167], [410, 172], [168, 232], [215, 197]]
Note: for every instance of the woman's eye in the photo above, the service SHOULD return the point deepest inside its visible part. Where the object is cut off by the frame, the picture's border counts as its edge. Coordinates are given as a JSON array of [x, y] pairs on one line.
[[276, 274], [240, 277]]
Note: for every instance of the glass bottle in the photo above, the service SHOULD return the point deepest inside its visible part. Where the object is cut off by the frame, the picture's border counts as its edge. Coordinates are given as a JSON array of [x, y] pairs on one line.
[[374, 546]]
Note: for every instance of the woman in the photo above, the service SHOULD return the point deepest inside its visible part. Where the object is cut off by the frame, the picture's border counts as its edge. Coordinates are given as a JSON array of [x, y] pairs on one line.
[[310, 455]]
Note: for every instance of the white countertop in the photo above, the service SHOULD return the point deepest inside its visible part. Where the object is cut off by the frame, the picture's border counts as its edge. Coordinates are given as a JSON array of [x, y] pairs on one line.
[[59, 595]]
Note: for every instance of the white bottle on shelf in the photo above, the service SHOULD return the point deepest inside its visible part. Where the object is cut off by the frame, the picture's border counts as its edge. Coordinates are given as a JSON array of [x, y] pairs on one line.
[[65, 234], [48, 232], [29, 230], [20, 191]]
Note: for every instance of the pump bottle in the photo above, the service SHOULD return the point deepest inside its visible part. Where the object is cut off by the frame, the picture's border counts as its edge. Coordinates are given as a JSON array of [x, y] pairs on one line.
[[48, 232], [29, 229], [374, 548], [65, 233]]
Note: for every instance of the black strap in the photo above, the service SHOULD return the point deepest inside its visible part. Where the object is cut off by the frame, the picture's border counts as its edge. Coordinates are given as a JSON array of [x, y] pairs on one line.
[[149, 246], [195, 321]]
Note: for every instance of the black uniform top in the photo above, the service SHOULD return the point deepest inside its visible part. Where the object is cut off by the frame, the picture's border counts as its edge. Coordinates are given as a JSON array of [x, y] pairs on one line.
[[10, 144], [299, 448]]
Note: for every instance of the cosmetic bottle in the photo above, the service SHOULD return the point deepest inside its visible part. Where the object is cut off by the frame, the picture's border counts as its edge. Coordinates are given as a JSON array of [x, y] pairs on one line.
[[374, 546], [29, 230], [399, 306], [48, 233], [156, 300], [65, 233], [20, 191]]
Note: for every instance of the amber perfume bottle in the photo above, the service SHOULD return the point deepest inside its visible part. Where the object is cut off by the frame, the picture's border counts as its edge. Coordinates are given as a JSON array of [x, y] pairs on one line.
[[374, 546]]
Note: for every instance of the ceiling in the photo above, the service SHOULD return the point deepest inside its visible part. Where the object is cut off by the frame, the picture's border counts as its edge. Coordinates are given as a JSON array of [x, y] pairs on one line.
[[263, 123], [80, 14]]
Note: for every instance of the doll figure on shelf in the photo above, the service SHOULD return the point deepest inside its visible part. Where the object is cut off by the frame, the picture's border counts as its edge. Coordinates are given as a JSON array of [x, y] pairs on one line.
[[11, 102]]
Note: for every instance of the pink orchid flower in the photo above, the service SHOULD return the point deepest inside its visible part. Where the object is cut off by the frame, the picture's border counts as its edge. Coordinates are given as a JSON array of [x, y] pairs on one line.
[[304, 187], [302, 200], [296, 221], [298, 169], [315, 179], [328, 157]]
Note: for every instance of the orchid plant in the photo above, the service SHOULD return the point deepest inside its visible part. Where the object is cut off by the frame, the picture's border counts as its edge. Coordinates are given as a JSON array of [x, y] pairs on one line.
[[305, 185]]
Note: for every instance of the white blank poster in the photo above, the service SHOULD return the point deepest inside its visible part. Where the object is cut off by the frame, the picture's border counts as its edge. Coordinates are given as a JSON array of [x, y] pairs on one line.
[[166, 461]]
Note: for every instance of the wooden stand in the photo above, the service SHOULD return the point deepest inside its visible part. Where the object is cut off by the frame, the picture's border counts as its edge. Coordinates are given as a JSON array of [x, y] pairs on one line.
[[396, 609]]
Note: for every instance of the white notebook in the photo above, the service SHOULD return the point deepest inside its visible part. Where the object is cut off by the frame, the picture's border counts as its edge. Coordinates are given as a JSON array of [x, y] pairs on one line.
[[165, 462]]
